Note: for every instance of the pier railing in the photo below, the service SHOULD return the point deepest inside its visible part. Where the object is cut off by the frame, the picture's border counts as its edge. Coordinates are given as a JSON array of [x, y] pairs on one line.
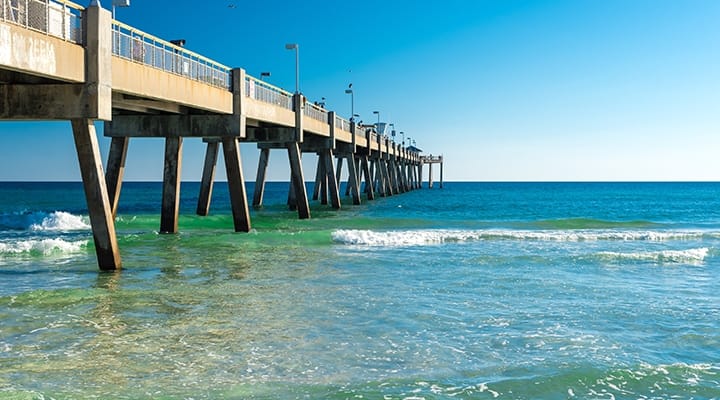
[[137, 46], [267, 93], [59, 18], [316, 112], [342, 124]]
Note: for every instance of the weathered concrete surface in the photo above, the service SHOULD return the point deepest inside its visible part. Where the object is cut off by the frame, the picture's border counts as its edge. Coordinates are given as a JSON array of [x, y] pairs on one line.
[[96, 195], [139, 80], [35, 53]]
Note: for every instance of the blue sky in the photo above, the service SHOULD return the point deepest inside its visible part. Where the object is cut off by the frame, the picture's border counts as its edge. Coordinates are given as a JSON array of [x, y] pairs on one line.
[[506, 90]]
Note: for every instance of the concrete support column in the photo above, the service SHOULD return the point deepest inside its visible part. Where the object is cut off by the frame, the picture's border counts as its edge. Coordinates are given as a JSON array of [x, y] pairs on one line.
[[420, 175], [259, 191], [338, 172], [441, 174], [171, 185], [298, 181], [319, 176], [330, 182], [236, 184], [430, 175], [353, 179], [116, 169], [368, 178], [96, 195], [208, 178]]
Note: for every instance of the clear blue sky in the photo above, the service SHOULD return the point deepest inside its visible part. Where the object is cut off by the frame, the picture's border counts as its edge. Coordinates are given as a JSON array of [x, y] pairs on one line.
[[506, 90]]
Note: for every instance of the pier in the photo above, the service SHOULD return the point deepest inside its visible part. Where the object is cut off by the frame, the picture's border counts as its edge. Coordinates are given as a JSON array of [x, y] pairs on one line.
[[62, 61]]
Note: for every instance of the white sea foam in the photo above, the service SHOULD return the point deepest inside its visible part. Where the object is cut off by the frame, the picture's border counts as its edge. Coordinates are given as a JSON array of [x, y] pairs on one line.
[[41, 246], [689, 256], [430, 236], [59, 221]]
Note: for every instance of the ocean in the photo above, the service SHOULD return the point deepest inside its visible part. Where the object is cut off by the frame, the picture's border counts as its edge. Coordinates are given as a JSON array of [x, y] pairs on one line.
[[473, 291]]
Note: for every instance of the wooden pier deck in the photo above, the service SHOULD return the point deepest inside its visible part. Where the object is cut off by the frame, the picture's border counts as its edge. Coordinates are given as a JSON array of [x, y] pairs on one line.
[[62, 61]]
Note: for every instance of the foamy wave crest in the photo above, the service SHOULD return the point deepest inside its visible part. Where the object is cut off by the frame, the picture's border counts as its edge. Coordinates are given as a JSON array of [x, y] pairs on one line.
[[419, 237], [41, 246], [689, 256], [60, 221]]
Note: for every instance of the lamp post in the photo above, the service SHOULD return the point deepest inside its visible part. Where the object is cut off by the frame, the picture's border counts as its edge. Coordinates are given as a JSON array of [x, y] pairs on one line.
[[294, 46], [402, 134], [264, 75], [378, 114], [352, 103], [115, 3]]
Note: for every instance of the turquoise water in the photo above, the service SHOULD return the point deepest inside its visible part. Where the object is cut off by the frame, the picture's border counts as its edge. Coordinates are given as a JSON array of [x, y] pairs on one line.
[[478, 290]]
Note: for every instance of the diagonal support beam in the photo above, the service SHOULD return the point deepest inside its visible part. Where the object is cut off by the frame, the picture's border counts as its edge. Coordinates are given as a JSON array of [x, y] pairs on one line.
[[236, 185], [96, 195]]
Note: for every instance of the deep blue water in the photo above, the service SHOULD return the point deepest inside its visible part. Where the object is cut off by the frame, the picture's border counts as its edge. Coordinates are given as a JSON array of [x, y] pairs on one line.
[[478, 290]]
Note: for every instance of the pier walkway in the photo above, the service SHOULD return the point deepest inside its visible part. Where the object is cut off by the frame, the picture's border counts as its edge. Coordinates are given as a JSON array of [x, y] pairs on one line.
[[62, 61]]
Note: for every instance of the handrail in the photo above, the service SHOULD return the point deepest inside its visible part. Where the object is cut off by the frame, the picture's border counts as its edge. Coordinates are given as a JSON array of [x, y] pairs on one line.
[[135, 45], [59, 18], [316, 112], [267, 93], [342, 123]]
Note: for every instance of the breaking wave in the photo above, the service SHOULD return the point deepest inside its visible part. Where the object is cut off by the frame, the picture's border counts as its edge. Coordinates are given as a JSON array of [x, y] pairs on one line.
[[42, 221], [424, 237], [689, 256], [41, 246]]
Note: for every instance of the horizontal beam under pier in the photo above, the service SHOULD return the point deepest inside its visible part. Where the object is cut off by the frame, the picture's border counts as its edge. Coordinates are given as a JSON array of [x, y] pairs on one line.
[[47, 102], [176, 126]]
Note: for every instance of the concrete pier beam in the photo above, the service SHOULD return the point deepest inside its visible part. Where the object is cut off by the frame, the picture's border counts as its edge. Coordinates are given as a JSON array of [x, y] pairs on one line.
[[171, 185], [330, 182], [368, 178], [297, 180], [208, 177], [441, 175], [353, 179], [319, 176], [430, 176], [236, 184], [96, 195], [116, 169], [259, 191]]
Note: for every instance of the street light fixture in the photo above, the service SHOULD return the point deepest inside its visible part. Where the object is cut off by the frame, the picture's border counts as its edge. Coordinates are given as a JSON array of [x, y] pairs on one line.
[[402, 134], [378, 114], [264, 75], [294, 46], [352, 103]]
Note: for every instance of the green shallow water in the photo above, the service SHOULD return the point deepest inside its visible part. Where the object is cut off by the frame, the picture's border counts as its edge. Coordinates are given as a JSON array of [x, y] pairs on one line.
[[520, 294]]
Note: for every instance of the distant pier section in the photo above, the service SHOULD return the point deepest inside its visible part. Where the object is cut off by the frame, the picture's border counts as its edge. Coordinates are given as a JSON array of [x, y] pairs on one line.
[[62, 61]]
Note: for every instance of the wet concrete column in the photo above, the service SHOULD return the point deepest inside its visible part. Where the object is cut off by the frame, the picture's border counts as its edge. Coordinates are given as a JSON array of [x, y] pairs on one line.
[[368, 178], [171, 185], [96, 195], [430, 175], [208, 178], [236, 184], [116, 169], [259, 191], [297, 180], [330, 181]]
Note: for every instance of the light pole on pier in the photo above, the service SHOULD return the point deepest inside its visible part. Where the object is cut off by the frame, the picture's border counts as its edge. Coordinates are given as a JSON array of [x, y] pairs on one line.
[[352, 103], [294, 46], [402, 134]]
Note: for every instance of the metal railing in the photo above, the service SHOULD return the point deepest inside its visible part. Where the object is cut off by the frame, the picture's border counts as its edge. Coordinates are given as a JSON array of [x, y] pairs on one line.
[[267, 93], [342, 124], [316, 112], [59, 18], [135, 45]]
